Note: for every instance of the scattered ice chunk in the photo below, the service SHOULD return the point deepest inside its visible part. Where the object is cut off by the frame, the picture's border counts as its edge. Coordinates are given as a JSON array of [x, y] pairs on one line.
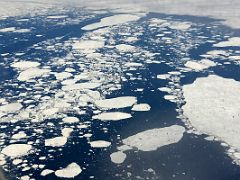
[[71, 171], [141, 107], [111, 21], [100, 144], [81, 86], [180, 25], [16, 150], [112, 116], [115, 103], [133, 64], [88, 46], [118, 157], [9, 29], [153, 139]]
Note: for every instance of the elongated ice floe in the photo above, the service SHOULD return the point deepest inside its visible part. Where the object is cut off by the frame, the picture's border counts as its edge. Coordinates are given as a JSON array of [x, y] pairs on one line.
[[111, 21], [125, 48], [212, 107], [234, 41], [88, 46], [112, 116], [151, 140], [16, 150], [100, 144], [32, 73], [118, 102], [71, 171], [23, 65]]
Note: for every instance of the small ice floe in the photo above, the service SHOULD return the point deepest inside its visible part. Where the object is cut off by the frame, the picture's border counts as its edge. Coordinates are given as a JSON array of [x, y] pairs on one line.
[[32, 73], [66, 132], [56, 141], [118, 157], [46, 172], [71, 171], [112, 116], [234, 41], [100, 144], [23, 65], [115, 103], [70, 120], [17, 150], [141, 107], [63, 75], [19, 135], [111, 21], [200, 65], [125, 48], [132, 64], [151, 140], [163, 76]]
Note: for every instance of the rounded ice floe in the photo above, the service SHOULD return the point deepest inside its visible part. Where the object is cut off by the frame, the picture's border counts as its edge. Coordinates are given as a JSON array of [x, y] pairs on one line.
[[23, 65], [71, 171], [112, 116], [32, 73], [100, 144], [118, 102], [118, 157], [70, 120], [56, 142], [16, 150], [141, 107], [217, 102], [11, 108], [125, 48], [153, 139]]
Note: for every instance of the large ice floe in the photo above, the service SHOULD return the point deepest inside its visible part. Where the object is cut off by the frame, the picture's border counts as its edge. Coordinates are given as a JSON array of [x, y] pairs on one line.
[[112, 20], [212, 108]]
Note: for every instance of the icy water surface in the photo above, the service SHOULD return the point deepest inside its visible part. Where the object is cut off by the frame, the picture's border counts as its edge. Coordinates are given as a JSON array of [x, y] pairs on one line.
[[56, 75]]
